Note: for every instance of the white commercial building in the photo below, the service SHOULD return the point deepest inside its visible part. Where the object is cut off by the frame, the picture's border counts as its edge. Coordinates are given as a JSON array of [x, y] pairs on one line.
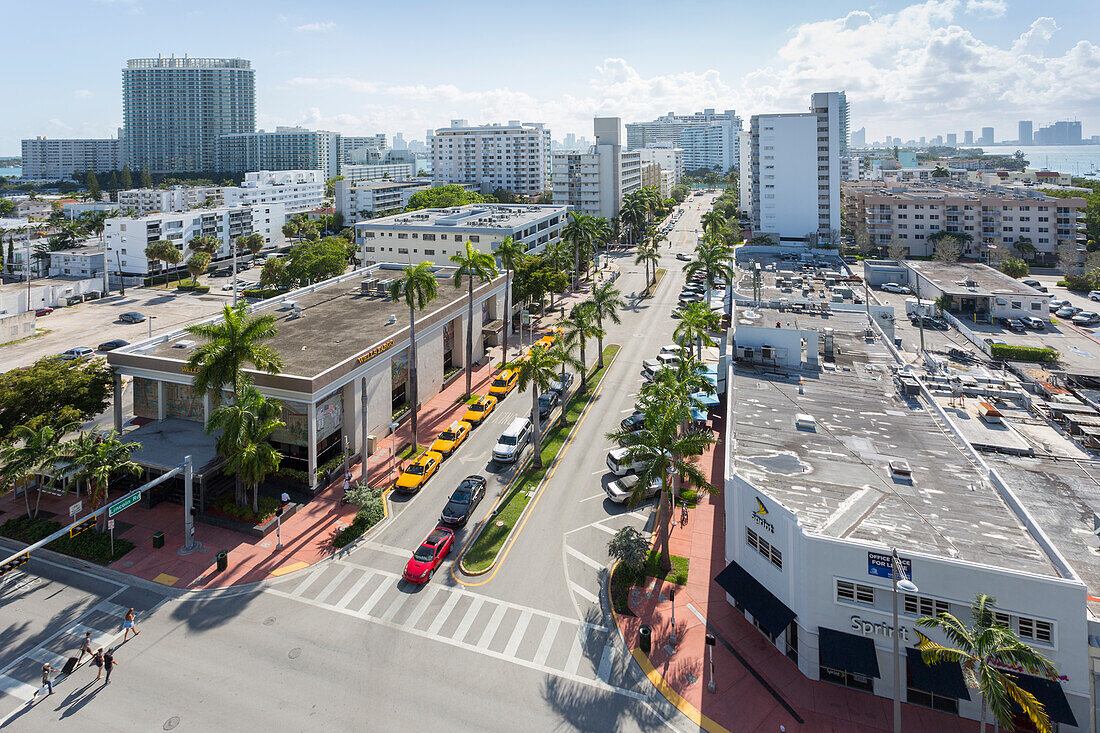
[[436, 234], [127, 237], [595, 182], [744, 180], [49, 159], [173, 198], [379, 172], [82, 262], [831, 467], [796, 169], [670, 159], [515, 157], [297, 191]]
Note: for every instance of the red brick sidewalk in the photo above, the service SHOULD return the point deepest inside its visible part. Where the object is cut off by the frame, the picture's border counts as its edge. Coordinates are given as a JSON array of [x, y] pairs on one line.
[[741, 701], [307, 536]]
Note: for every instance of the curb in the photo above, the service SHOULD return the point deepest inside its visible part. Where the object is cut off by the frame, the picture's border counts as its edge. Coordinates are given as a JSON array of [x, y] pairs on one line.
[[538, 489]]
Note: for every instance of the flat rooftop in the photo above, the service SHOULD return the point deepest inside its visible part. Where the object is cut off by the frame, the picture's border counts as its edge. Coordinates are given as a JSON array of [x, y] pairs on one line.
[[951, 276], [337, 322], [488, 217], [837, 477]]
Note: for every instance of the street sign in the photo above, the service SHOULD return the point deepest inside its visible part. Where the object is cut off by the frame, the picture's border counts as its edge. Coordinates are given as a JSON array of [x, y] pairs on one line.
[[110, 524], [75, 508], [124, 503]]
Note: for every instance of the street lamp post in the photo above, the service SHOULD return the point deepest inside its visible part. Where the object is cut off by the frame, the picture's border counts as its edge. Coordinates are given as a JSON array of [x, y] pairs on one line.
[[899, 581], [151, 319], [393, 444]]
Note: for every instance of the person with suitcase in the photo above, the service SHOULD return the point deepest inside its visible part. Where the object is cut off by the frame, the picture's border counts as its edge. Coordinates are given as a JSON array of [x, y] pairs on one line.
[[85, 647]]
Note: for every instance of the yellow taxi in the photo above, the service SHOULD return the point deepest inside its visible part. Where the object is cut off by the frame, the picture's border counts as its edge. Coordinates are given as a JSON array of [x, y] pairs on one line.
[[419, 471], [451, 438], [503, 383], [546, 341], [479, 410]]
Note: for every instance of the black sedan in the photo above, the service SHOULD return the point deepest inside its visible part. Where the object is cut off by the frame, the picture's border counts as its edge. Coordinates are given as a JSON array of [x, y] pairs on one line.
[[463, 501], [633, 423], [112, 345], [547, 402]]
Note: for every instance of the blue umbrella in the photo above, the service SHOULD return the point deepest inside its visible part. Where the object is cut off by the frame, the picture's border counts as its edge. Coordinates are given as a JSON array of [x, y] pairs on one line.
[[698, 415], [705, 399], [712, 377]]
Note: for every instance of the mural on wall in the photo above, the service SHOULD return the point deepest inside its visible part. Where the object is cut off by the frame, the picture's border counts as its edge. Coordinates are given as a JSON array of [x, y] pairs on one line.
[[181, 402], [399, 369], [485, 311], [296, 431], [330, 414], [145, 397], [448, 336]]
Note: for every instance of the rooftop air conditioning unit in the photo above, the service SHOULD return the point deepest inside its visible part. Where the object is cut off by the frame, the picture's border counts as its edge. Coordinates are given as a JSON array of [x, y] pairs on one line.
[[183, 344]]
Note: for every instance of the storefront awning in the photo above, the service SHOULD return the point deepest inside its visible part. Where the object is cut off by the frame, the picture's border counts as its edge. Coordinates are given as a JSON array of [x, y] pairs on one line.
[[491, 327], [1050, 694], [847, 652], [945, 678], [769, 611]]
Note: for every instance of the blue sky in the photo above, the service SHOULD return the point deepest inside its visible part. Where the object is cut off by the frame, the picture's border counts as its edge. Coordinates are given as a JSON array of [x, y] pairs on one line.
[[909, 69]]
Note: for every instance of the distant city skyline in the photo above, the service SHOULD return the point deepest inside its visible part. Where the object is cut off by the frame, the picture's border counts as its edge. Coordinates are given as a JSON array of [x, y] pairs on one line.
[[994, 65]]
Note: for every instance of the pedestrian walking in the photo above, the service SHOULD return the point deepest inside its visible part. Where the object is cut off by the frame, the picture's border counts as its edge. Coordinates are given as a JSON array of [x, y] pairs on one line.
[[108, 663], [46, 683], [128, 625], [347, 483], [85, 646], [97, 661]]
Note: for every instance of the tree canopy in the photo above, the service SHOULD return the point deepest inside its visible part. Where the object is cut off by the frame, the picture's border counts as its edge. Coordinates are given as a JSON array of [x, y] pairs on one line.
[[438, 197], [53, 392], [308, 262]]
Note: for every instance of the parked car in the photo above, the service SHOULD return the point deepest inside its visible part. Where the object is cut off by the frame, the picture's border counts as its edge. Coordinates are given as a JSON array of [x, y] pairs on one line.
[[621, 465], [430, 555], [620, 490], [503, 383], [1035, 284], [672, 349], [1088, 318], [451, 438], [131, 317], [1055, 304], [557, 386], [1015, 324], [479, 410], [463, 501], [112, 345], [1068, 311], [995, 342], [1035, 324], [1094, 295], [548, 401], [937, 324], [895, 288], [78, 352], [417, 473], [512, 442], [634, 423], [43, 311]]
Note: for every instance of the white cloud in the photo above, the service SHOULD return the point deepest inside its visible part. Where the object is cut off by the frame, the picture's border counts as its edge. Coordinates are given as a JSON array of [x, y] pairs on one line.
[[82, 94], [315, 27], [992, 8]]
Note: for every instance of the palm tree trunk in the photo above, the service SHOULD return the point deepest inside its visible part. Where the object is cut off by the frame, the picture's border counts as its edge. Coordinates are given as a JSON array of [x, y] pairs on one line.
[[470, 338], [982, 728], [563, 419], [38, 501], [27, 499], [256, 498], [239, 494], [412, 391], [663, 518], [599, 341], [536, 420], [507, 313], [584, 369]]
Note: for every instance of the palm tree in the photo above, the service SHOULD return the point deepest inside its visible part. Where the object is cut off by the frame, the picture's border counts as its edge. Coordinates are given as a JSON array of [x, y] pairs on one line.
[[245, 426], [237, 339], [97, 457], [578, 231], [578, 328], [697, 320], [664, 449], [156, 252], [985, 649], [173, 257], [418, 288], [31, 451], [291, 229], [535, 373], [606, 301], [561, 351], [509, 251], [635, 214], [649, 253], [196, 265], [713, 258], [714, 223], [472, 263]]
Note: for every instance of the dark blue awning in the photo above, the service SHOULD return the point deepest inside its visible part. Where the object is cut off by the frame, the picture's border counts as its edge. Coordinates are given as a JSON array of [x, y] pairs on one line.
[[945, 678], [1050, 694], [847, 652], [769, 611]]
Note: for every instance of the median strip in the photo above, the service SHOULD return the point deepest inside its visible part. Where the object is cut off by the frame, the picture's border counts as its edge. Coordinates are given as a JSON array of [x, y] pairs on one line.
[[481, 554]]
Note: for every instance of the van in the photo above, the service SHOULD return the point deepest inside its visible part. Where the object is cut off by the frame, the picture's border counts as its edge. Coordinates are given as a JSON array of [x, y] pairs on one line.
[[512, 441], [620, 465], [650, 367]]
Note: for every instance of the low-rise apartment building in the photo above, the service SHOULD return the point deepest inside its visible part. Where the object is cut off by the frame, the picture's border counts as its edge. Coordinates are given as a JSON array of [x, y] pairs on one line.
[[174, 198], [992, 216], [436, 234], [78, 262], [392, 171], [296, 191]]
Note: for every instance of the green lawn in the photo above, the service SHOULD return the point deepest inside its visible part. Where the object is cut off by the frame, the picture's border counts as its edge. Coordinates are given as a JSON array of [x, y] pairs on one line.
[[485, 548], [625, 578], [678, 574]]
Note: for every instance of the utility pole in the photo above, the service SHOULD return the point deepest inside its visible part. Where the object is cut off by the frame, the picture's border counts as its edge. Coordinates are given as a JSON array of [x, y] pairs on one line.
[[188, 508], [233, 246]]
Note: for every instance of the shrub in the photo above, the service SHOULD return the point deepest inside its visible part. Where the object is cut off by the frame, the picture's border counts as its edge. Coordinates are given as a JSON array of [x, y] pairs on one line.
[[227, 507], [1023, 353], [89, 545], [1014, 267], [370, 513], [193, 288], [629, 546], [261, 293]]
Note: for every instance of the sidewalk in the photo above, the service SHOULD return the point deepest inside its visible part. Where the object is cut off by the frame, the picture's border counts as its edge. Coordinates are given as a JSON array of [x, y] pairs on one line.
[[757, 687], [307, 536]]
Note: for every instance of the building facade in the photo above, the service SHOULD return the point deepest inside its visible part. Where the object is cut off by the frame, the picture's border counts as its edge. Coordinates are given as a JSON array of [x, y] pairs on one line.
[[297, 191], [49, 159], [380, 172], [851, 168], [127, 237], [436, 234], [357, 200], [353, 150], [670, 159], [78, 262], [175, 109], [284, 149], [515, 157], [992, 216], [596, 181], [1026, 134], [664, 132], [173, 198]]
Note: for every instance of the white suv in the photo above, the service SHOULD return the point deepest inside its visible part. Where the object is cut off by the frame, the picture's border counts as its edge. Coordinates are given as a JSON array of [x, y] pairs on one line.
[[512, 441]]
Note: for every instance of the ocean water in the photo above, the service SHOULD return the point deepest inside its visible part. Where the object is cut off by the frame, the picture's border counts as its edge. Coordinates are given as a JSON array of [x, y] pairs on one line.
[[9, 172], [1073, 159]]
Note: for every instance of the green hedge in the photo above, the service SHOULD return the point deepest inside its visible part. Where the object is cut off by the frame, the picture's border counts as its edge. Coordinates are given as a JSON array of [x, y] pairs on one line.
[[88, 545], [1023, 353], [366, 518], [192, 288], [227, 507], [261, 293]]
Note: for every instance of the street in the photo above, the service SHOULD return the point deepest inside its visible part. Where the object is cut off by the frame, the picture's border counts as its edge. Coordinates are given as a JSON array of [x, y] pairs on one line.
[[347, 642]]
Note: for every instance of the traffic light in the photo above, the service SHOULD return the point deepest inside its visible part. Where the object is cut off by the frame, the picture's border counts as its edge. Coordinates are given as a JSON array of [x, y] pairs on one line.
[[83, 524], [14, 563]]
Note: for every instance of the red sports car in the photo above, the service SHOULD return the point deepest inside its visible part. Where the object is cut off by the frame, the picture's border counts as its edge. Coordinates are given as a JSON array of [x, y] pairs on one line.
[[429, 555]]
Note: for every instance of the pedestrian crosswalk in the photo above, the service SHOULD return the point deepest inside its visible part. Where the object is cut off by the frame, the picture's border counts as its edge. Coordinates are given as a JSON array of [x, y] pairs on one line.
[[566, 647]]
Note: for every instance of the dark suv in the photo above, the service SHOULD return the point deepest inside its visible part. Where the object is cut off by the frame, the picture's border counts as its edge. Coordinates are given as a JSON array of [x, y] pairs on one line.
[[463, 501]]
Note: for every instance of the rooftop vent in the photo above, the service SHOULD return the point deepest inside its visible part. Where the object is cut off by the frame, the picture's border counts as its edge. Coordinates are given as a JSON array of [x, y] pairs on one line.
[[183, 344], [392, 320]]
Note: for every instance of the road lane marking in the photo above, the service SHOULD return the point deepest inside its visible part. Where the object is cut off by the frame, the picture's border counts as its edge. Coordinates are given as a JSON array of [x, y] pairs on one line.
[[441, 617], [602, 528], [354, 590], [548, 635], [395, 607], [375, 597], [309, 580], [468, 619], [576, 651], [492, 626], [583, 558], [583, 593], [333, 584], [606, 660], [517, 634], [429, 594]]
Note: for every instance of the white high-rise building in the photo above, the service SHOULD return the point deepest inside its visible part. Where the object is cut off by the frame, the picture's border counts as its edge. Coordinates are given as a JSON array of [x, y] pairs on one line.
[[709, 140], [670, 159], [851, 168], [360, 150], [744, 180], [664, 132], [48, 159], [595, 182], [515, 157], [284, 149], [296, 191], [795, 162]]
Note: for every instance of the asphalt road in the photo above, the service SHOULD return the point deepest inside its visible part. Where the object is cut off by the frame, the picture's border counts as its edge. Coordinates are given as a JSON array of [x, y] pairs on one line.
[[347, 643]]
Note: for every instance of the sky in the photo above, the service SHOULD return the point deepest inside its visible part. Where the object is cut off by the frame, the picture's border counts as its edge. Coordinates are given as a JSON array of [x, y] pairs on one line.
[[909, 69]]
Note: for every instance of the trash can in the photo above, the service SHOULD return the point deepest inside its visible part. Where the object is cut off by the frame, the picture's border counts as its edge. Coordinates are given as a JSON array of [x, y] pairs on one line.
[[645, 639], [223, 560], [158, 540]]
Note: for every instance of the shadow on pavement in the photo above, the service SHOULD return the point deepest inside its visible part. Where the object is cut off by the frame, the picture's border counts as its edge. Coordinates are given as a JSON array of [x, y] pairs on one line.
[[214, 610]]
